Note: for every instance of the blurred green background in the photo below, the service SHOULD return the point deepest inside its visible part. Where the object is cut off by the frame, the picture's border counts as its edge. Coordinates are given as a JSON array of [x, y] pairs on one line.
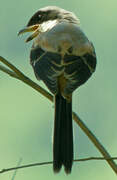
[[26, 117]]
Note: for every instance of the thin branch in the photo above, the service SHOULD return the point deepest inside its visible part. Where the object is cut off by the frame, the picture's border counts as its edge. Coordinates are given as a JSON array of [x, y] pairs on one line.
[[15, 172], [9, 72], [95, 158], [25, 79], [95, 141], [51, 162], [11, 66], [25, 166]]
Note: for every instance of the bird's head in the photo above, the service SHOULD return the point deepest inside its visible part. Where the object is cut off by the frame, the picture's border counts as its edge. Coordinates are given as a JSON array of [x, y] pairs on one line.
[[47, 15]]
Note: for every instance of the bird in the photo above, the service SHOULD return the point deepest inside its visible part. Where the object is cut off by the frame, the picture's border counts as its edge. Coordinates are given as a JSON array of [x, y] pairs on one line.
[[64, 58]]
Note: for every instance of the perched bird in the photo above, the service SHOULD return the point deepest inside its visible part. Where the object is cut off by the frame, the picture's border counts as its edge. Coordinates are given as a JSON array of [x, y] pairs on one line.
[[64, 59]]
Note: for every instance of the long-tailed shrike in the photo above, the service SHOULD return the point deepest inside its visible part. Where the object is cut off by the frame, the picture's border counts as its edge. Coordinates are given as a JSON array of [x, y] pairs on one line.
[[63, 58]]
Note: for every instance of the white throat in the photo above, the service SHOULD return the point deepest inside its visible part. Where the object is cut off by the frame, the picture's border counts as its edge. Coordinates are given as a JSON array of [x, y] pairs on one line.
[[48, 25]]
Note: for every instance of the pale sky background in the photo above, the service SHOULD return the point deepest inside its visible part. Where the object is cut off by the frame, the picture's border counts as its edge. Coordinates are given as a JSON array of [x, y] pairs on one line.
[[26, 117]]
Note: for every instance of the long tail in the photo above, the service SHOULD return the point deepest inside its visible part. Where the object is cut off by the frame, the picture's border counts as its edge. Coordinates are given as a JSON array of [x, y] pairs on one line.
[[63, 135]]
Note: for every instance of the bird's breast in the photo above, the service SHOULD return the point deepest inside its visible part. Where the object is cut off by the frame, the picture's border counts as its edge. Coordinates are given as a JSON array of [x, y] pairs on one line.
[[62, 37]]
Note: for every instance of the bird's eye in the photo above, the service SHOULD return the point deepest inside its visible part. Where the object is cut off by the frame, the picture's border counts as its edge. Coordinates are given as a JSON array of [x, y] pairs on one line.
[[39, 16]]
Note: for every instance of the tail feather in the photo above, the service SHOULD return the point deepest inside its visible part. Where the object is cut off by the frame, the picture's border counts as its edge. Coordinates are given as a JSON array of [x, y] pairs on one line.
[[63, 135], [68, 157]]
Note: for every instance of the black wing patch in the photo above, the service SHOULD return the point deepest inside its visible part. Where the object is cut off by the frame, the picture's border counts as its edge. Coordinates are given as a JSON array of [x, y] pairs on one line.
[[48, 66], [78, 71]]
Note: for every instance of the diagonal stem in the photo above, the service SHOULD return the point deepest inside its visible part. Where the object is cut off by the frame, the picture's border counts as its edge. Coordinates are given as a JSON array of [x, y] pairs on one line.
[[19, 75], [9, 72], [95, 141]]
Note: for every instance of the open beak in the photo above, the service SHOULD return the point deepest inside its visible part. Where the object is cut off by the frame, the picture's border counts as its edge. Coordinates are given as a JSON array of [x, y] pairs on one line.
[[35, 29]]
